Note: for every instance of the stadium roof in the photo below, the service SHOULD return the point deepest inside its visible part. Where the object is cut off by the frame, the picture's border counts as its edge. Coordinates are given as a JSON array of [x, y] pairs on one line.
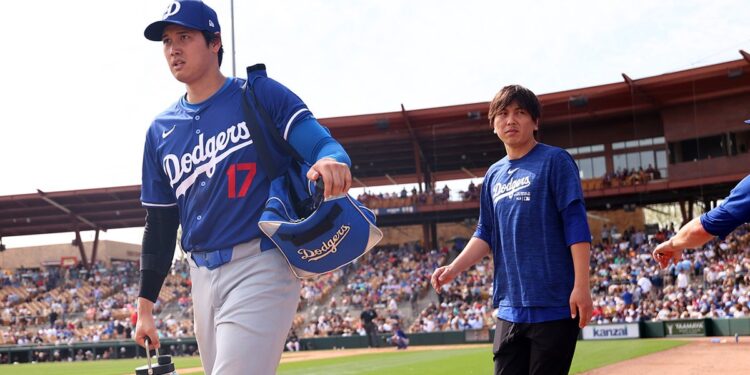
[[401, 147], [70, 211], [455, 141], [119, 207]]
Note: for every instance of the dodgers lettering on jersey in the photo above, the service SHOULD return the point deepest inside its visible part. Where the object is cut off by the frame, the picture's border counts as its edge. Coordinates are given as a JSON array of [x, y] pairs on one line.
[[216, 149], [520, 219], [202, 158]]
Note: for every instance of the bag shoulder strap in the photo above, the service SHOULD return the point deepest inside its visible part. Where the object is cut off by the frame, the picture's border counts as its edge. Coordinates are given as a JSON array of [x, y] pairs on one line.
[[265, 160], [254, 72]]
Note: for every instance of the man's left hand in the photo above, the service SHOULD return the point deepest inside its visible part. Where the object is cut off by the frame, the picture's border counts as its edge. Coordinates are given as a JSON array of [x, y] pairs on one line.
[[337, 178]]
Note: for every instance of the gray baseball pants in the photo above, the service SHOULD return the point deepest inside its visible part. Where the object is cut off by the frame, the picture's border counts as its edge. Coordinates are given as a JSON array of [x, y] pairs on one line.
[[243, 311]]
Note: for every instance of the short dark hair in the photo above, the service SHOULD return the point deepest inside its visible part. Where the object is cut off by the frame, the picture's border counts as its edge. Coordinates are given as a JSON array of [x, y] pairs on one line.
[[210, 37], [522, 96]]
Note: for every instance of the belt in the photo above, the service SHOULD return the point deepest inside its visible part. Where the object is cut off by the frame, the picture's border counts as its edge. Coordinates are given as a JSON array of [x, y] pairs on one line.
[[216, 258]]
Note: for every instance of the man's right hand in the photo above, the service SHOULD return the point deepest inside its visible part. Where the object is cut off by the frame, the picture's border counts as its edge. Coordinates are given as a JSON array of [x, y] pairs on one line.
[[665, 252], [442, 276], [145, 326]]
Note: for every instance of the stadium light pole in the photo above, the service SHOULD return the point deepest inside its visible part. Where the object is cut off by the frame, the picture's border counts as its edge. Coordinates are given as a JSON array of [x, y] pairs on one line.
[[234, 65]]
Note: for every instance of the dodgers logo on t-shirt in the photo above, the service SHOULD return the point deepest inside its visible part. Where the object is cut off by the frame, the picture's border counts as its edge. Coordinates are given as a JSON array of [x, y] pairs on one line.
[[512, 189]]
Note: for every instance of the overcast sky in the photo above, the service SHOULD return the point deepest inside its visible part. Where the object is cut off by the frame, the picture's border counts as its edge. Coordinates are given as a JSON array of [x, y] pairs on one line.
[[80, 83]]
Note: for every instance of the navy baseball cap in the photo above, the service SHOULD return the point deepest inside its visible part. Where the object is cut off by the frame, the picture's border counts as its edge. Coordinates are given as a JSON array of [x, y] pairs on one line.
[[193, 14]]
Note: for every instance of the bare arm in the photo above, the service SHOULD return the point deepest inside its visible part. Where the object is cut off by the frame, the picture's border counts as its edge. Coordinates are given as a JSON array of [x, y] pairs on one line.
[[474, 251], [580, 298], [691, 235], [581, 253]]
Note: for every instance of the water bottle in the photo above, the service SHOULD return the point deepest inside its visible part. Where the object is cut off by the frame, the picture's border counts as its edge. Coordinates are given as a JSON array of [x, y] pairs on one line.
[[164, 365]]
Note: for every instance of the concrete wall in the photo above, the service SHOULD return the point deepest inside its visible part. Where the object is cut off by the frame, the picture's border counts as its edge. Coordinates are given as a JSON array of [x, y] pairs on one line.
[[622, 219], [36, 256]]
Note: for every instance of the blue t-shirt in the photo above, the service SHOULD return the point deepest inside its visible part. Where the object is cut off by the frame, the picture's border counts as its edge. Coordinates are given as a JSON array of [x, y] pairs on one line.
[[201, 158], [520, 218], [733, 212]]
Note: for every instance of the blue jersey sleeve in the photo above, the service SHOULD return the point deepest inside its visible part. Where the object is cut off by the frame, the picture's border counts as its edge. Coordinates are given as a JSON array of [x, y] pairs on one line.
[[285, 107], [313, 142], [733, 212], [575, 225], [485, 224], [155, 188], [566, 185]]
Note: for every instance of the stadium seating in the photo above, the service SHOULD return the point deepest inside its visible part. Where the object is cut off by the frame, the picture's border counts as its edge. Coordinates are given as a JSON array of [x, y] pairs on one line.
[[626, 284]]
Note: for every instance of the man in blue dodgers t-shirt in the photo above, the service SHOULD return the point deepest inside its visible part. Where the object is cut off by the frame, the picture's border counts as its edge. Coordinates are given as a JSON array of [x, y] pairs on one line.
[[722, 220], [532, 220]]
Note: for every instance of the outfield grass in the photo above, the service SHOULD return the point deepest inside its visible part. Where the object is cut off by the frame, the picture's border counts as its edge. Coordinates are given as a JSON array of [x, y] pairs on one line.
[[474, 360], [110, 367]]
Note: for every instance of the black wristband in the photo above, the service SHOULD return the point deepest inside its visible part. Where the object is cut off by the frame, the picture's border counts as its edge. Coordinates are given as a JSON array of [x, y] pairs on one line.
[[151, 283]]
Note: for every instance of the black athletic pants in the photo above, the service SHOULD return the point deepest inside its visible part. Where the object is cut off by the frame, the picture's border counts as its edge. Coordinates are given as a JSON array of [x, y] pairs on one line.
[[534, 348]]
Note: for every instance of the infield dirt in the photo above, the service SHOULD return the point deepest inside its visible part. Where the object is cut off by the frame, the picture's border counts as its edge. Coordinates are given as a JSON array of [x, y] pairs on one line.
[[700, 357]]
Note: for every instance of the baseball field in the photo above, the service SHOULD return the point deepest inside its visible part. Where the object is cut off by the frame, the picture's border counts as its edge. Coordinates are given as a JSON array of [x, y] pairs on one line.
[[465, 359]]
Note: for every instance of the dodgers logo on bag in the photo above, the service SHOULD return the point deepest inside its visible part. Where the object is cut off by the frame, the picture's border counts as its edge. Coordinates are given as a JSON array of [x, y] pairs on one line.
[[335, 234]]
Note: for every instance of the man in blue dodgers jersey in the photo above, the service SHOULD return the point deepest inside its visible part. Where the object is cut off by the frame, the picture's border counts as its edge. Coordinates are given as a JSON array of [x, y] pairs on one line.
[[532, 220], [720, 221], [200, 171]]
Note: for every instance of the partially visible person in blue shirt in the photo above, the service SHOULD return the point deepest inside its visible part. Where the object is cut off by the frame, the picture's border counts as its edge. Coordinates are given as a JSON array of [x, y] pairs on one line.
[[719, 222], [532, 221], [399, 338]]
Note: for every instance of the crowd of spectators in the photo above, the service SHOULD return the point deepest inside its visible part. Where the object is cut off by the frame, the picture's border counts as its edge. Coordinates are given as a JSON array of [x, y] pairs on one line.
[[430, 196], [68, 305], [465, 303], [76, 304], [629, 177], [389, 275], [710, 282], [623, 177], [627, 284], [313, 294], [387, 278]]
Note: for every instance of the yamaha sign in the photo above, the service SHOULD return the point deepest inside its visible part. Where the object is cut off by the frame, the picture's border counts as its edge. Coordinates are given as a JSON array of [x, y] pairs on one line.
[[688, 327]]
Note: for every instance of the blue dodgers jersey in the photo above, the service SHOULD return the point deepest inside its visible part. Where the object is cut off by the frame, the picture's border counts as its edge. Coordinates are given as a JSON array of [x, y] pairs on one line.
[[731, 213], [520, 218], [201, 158]]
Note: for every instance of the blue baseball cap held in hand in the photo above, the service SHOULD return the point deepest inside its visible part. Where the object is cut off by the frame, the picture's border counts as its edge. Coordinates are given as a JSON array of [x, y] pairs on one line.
[[315, 235], [192, 14]]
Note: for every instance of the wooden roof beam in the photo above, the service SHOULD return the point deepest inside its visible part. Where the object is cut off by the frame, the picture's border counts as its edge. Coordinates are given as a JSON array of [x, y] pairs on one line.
[[635, 88], [418, 153], [62, 208], [745, 55]]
